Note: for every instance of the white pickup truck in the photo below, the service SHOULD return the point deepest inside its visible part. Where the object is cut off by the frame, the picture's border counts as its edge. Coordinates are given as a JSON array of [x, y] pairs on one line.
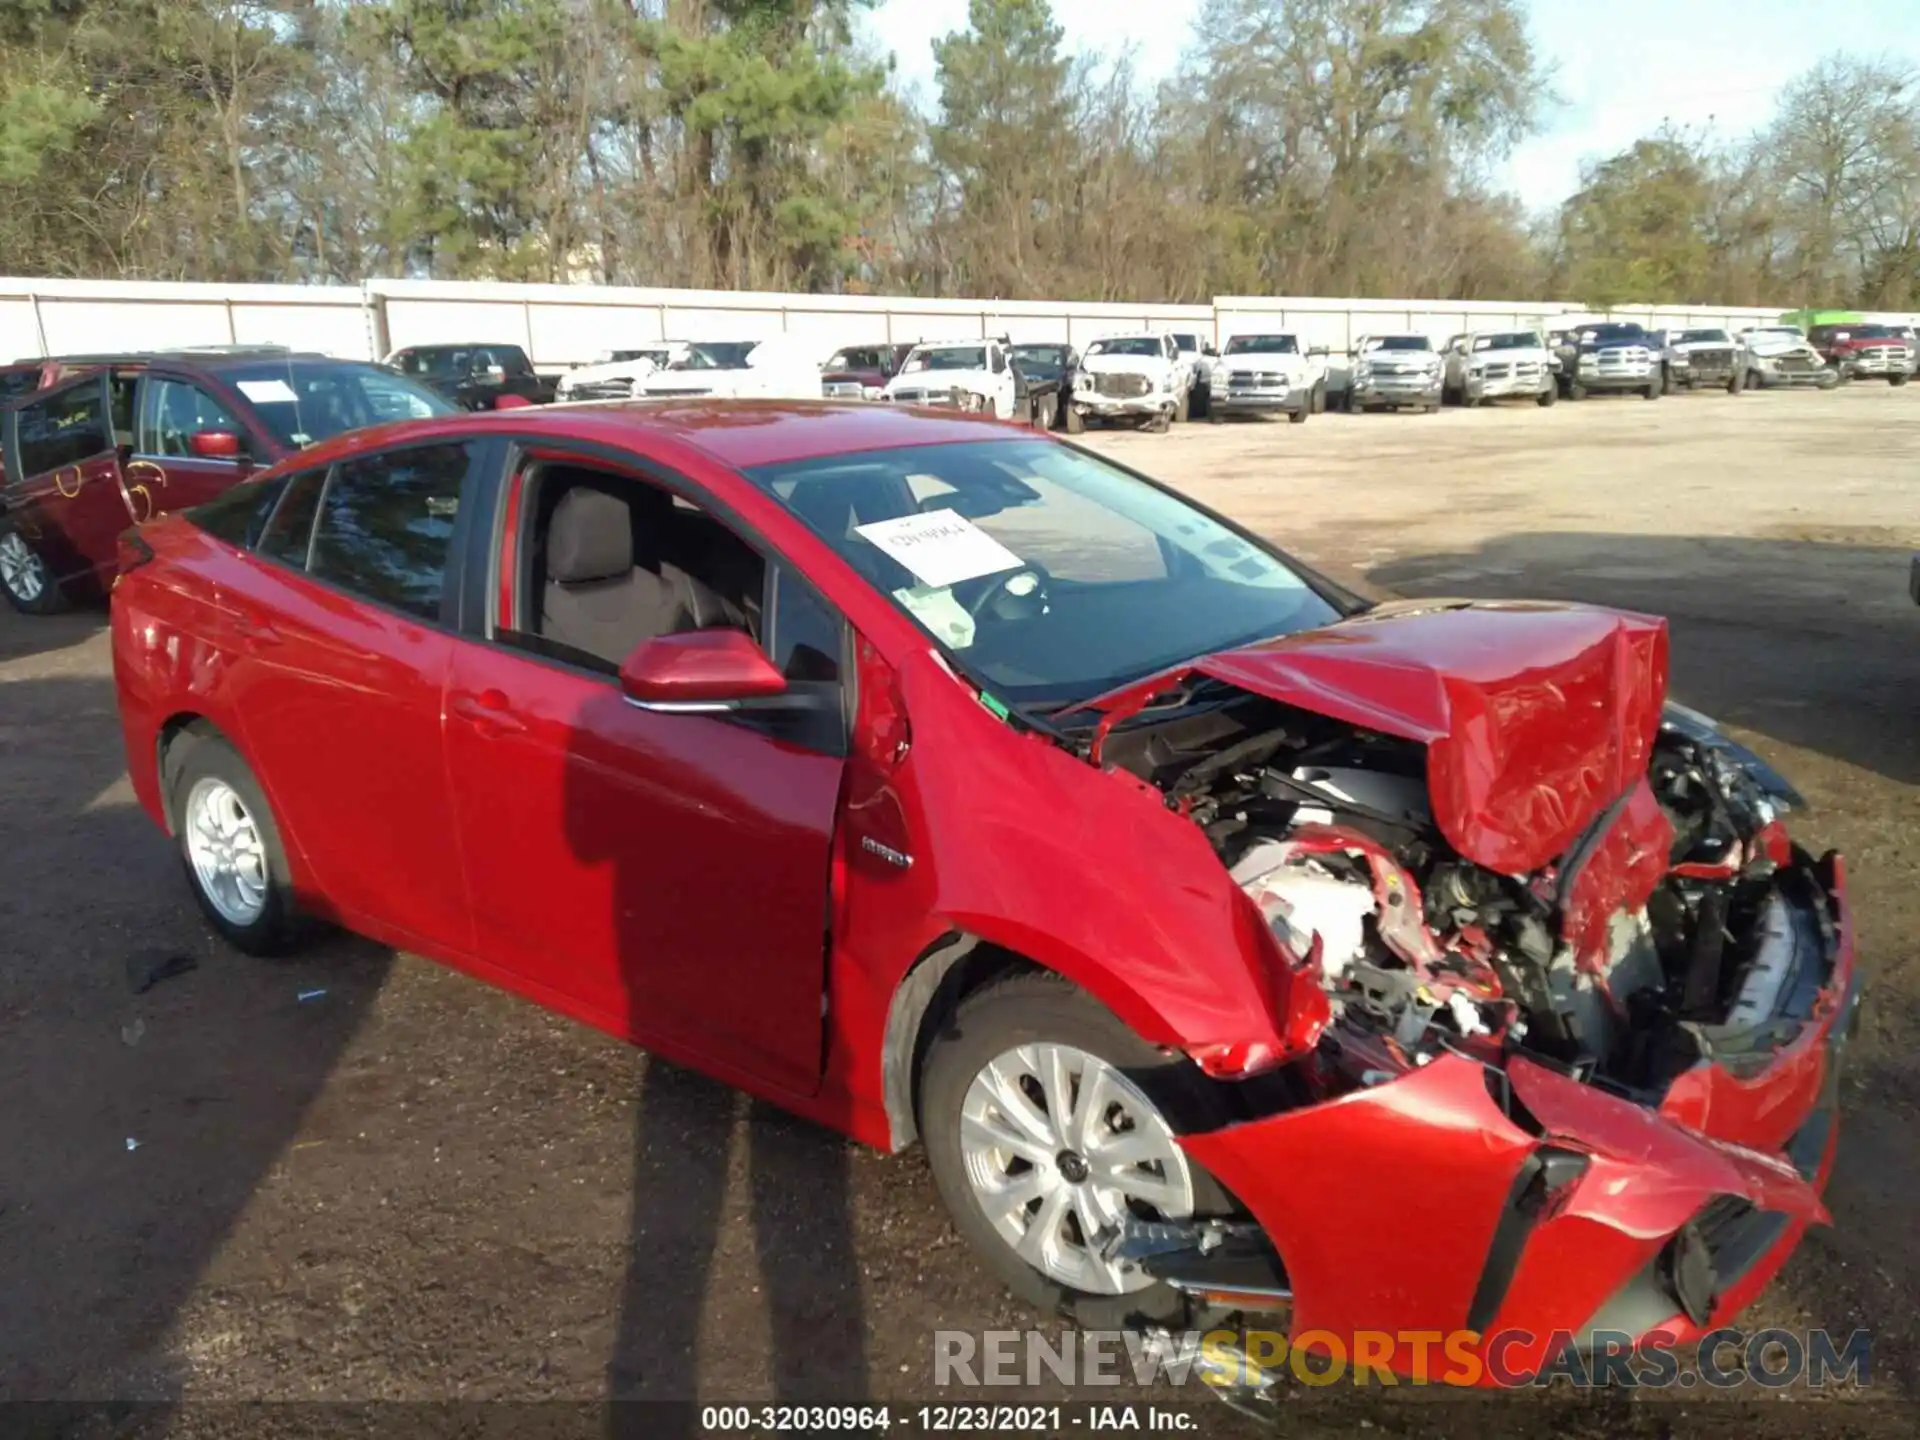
[[966, 374], [1139, 376], [1268, 374], [782, 367], [1389, 371], [1491, 365]]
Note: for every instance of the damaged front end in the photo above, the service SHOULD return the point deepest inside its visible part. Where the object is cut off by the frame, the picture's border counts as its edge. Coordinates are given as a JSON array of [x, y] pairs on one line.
[[1577, 999]]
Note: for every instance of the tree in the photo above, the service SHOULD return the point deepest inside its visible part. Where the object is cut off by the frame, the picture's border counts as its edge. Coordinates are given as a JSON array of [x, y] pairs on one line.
[[1638, 228]]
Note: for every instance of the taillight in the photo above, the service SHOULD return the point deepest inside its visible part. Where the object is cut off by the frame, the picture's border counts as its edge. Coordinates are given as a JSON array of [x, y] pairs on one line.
[[133, 552]]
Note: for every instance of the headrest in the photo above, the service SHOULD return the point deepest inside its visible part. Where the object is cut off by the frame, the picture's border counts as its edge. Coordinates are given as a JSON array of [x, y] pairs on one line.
[[589, 538]]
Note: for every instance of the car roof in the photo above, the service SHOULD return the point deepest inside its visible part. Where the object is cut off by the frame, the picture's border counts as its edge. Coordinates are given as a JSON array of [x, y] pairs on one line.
[[740, 434], [194, 354]]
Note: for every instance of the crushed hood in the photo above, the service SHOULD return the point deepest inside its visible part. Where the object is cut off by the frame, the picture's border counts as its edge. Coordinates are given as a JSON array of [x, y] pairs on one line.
[[1536, 716]]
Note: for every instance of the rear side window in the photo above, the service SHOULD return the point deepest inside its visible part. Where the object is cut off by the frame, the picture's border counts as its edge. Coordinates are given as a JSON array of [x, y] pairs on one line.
[[236, 515], [386, 525], [289, 529], [65, 428], [175, 411]]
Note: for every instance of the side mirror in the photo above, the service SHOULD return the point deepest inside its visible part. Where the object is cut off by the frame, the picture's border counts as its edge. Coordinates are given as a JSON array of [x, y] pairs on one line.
[[496, 372], [215, 445], [511, 402], [699, 672]]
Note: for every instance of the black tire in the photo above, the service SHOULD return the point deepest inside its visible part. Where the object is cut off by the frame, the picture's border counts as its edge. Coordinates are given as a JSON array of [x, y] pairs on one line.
[[1451, 396], [1547, 396], [1576, 391], [1655, 387], [1214, 417], [1036, 1008], [1202, 405], [1319, 398], [196, 757], [1299, 416], [49, 599], [1736, 382], [1076, 422], [1182, 407], [1897, 379], [1160, 423]]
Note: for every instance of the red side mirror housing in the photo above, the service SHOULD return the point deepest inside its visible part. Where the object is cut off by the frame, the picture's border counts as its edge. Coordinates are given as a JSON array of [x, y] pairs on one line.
[[699, 670], [511, 402], [215, 445]]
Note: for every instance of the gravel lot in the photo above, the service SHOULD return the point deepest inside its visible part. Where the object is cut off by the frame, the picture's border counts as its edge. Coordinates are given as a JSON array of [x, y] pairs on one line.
[[413, 1188]]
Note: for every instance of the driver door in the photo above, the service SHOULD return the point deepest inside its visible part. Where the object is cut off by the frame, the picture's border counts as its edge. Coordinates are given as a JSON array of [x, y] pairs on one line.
[[1008, 393], [65, 493], [176, 423]]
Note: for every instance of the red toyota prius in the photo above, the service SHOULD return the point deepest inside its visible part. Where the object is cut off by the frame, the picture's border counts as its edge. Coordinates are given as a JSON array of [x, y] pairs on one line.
[[1231, 944]]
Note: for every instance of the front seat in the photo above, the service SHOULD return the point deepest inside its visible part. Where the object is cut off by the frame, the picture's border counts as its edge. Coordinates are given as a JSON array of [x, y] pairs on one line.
[[596, 598]]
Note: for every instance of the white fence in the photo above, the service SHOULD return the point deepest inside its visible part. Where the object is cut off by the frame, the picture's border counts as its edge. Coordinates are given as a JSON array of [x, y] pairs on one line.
[[566, 325]]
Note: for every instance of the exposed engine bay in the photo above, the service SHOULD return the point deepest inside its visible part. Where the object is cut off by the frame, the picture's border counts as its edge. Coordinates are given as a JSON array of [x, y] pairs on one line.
[[1679, 925]]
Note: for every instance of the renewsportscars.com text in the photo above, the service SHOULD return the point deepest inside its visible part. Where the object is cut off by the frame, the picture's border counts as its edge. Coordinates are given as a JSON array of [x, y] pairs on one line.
[[1724, 1359]]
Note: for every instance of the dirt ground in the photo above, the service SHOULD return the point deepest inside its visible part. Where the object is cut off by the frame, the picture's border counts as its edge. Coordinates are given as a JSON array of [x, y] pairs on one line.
[[358, 1177]]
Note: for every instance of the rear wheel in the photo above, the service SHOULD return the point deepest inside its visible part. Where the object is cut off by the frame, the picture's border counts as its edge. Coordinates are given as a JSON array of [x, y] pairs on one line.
[[26, 576], [230, 846], [1047, 1126]]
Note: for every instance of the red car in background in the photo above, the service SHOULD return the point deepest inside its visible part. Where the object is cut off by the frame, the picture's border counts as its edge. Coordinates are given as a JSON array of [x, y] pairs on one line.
[[100, 442], [1228, 942]]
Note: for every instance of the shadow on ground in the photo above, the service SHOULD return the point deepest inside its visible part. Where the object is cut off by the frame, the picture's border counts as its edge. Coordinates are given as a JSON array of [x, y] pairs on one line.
[[1816, 645], [136, 1126]]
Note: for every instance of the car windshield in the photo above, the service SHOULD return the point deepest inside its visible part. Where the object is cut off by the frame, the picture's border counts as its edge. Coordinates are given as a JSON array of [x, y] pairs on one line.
[[1263, 345], [1512, 340], [965, 357], [1136, 345], [1701, 337], [303, 402], [1040, 359], [1397, 342], [1590, 334], [857, 360], [1051, 574], [1874, 332], [717, 355]]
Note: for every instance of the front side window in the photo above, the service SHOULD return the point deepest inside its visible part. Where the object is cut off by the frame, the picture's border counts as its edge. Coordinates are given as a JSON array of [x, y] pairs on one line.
[[174, 412], [304, 402], [1053, 574], [15, 383], [386, 523], [65, 428]]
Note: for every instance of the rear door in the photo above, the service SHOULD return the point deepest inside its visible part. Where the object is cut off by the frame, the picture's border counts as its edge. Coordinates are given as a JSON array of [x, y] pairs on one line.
[[64, 489], [344, 641], [174, 419]]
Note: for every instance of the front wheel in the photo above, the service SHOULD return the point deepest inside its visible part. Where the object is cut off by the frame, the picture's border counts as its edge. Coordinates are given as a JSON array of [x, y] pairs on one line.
[[1735, 382], [1076, 421], [1182, 407], [1299, 416], [26, 576], [1897, 379], [230, 846], [1547, 396], [1047, 1128]]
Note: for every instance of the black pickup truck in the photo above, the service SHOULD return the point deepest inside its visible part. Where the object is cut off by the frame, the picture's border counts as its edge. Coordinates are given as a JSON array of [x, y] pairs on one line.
[[475, 377], [1043, 377]]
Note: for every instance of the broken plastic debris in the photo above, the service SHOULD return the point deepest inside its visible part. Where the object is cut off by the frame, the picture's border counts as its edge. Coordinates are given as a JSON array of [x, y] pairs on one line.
[[305, 995], [133, 1030], [132, 1144], [147, 968]]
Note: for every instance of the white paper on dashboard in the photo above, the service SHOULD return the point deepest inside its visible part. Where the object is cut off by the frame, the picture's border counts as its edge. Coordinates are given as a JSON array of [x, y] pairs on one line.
[[267, 392], [941, 548], [945, 616]]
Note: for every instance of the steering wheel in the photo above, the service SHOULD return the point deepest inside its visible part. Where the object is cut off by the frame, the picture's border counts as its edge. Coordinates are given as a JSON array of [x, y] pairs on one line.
[[1012, 594]]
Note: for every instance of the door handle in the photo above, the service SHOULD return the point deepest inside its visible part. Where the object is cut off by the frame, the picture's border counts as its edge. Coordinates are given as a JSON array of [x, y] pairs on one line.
[[488, 712]]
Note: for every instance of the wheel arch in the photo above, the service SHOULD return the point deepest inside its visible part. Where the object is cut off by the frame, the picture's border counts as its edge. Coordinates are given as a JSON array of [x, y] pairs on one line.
[[171, 743], [944, 974]]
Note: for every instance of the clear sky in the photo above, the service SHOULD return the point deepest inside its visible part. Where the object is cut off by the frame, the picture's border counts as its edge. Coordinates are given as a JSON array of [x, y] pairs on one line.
[[1623, 65]]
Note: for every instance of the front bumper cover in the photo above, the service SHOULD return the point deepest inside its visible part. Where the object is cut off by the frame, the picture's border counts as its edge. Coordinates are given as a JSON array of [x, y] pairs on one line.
[[1726, 1173], [1396, 390], [1091, 402], [1227, 401]]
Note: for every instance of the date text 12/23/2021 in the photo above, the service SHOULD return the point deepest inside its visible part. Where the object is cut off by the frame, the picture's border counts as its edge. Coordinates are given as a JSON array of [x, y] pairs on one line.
[[961, 1419]]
